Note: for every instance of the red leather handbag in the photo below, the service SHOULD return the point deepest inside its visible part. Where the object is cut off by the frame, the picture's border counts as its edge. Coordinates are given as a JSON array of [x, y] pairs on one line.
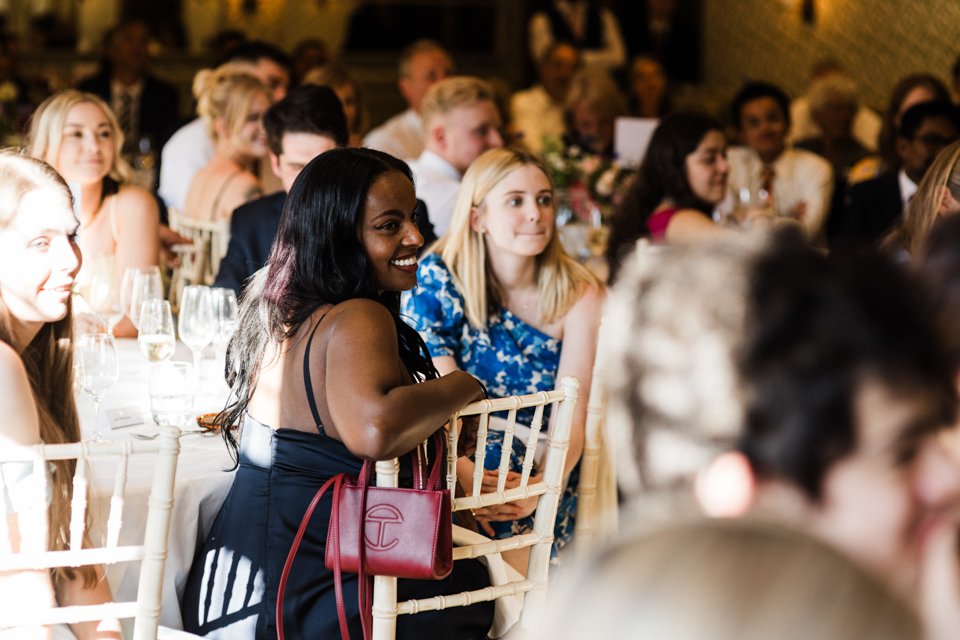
[[407, 533]]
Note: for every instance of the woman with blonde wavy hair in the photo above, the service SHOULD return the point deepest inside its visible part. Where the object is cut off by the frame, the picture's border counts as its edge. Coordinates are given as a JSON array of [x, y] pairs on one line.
[[499, 298], [39, 260], [938, 195], [231, 103], [78, 135]]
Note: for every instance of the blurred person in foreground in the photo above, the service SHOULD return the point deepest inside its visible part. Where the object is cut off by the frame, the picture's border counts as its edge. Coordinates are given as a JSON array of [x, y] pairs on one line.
[[764, 378]]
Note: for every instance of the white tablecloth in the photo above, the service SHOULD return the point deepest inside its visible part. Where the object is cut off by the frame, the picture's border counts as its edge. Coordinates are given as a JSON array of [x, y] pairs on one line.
[[201, 484]]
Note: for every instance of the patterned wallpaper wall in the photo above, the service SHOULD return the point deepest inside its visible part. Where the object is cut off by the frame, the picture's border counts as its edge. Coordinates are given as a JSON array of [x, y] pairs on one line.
[[877, 41]]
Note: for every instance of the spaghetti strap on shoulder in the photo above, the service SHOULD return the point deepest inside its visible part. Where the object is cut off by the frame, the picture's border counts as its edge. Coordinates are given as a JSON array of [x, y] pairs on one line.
[[215, 207], [308, 381], [113, 218]]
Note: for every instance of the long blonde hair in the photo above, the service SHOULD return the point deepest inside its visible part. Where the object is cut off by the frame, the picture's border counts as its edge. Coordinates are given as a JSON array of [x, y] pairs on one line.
[[48, 359], [727, 580], [924, 207], [46, 130], [560, 278]]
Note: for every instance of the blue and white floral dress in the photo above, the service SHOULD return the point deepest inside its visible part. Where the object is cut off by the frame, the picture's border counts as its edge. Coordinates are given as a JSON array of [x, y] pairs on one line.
[[509, 356]]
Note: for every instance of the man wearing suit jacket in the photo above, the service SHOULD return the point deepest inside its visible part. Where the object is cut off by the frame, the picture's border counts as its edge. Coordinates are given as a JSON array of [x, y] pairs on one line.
[[307, 122], [146, 107], [874, 206]]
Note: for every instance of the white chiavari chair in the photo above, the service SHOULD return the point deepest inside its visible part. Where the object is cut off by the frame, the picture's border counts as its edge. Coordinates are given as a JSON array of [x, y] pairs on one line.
[[200, 261], [533, 583], [105, 543]]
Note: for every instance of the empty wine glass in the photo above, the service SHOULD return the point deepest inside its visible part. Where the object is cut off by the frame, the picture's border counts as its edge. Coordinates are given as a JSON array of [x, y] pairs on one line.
[[138, 286], [226, 313], [172, 385], [198, 323], [156, 337], [99, 370], [103, 295]]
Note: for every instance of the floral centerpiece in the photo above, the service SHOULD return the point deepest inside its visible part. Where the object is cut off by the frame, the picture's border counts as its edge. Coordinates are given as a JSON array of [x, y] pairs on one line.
[[593, 184]]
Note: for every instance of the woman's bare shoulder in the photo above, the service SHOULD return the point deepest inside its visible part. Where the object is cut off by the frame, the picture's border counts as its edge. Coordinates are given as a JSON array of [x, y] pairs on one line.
[[138, 202]]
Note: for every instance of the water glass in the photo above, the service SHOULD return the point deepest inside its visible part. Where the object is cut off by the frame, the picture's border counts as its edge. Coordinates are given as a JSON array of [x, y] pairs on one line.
[[99, 370], [172, 386], [138, 286], [198, 322], [156, 337]]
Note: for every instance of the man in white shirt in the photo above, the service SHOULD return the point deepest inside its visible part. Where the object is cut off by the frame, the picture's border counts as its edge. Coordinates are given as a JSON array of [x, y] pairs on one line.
[[191, 148], [595, 31], [538, 112], [421, 65], [866, 122], [461, 122], [795, 183]]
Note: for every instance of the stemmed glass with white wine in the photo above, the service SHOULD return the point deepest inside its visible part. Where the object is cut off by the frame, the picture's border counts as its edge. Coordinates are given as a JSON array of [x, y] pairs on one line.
[[103, 294], [197, 323], [156, 338], [138, 286], [98, 368]]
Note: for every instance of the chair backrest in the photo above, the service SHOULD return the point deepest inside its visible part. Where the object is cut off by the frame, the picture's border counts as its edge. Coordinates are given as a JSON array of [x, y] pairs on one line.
[[597, 515], [548, 489], [200, 263], [105, 547]]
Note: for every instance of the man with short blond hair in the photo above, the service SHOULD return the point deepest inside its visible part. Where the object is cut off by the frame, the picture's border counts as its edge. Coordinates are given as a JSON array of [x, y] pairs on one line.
[[421, 64], [461, 121]]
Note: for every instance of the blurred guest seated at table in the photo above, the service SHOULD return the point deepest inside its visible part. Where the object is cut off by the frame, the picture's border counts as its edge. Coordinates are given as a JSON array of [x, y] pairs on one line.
[[307, 122], [726, 580], [325, 311], [866, 124], [461, 121], [875, 205], [538, 112], [147, 108], [308, 54], [649, 90], [764, 171], [593, 105], [938, 195], [833, 103], [78, 135], [498, 297], [814, 395], [910, 90], [682, 179], [231, 103], [192, 146], [351, 98], [594, 30], [39, 259], [421, 65]]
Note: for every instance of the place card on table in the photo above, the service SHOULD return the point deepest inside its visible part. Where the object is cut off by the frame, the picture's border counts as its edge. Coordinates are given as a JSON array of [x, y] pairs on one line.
[[123, 417]]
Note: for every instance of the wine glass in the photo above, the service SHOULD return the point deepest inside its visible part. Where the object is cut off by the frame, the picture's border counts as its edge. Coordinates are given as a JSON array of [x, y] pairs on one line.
[[99, 370], [172, 386], [103, 294], [156, 338], [198, 322], [227, 314], [139, 285]]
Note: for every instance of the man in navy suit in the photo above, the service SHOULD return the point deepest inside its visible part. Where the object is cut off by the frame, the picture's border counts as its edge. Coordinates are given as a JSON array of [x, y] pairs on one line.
[[874, 206], [307, 122]]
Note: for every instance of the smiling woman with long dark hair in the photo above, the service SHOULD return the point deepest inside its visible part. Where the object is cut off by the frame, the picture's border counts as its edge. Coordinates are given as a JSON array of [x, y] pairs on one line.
[[325, 374]]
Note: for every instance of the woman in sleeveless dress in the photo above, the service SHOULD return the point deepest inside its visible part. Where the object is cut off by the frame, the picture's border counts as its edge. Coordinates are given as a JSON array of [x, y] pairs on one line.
[[231, 103], [325, 374], [499, 298], [39, 260], [78, 135]]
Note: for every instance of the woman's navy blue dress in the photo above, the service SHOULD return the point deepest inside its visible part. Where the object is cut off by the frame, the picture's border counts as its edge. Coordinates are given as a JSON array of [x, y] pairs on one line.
[[232, 586]]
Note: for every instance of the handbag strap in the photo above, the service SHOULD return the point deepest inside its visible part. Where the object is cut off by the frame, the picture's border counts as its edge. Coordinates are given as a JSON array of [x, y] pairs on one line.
[[336, 481]]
